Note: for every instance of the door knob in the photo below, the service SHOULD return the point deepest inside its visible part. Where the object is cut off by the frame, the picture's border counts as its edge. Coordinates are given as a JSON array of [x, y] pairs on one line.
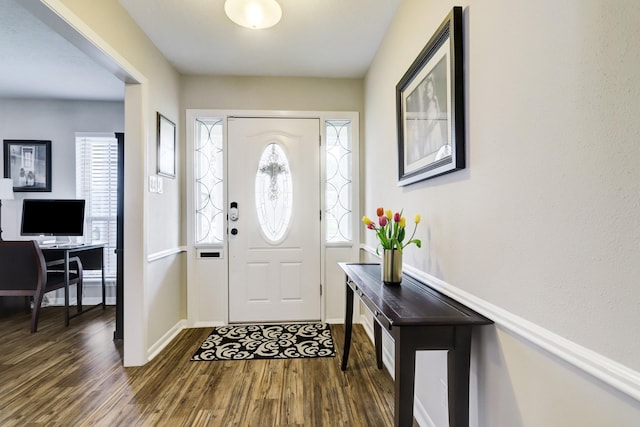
[[234, 231]]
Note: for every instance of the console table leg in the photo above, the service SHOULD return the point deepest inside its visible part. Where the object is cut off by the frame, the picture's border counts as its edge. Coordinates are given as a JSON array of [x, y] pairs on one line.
[[405, 368], [377, 339], [348, 322], [458, 365]]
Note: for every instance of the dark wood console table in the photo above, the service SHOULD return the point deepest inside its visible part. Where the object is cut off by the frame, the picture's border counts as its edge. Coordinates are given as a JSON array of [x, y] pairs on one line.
[[418, 318]]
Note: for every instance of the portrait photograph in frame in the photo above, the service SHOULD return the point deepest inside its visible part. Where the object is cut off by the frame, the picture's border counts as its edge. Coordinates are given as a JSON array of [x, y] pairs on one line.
[[430, 107], [166, 147], [28, 164]]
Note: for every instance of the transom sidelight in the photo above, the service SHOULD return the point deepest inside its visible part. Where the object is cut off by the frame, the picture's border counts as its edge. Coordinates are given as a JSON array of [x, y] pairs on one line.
[[273, 193]]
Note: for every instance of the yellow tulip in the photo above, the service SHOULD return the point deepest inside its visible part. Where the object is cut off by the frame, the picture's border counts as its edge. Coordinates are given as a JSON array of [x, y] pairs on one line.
[[388, 214], [403, 221], [366, 220], [417, 219]]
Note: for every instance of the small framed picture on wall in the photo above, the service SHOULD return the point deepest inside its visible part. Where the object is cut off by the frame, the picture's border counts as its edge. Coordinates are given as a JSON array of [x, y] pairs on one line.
[[166, 147], [28, 164]]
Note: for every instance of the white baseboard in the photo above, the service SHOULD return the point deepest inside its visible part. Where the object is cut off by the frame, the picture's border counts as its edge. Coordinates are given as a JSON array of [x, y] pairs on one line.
[[165, 340], [207, 324], [86, 301], [421, 415]]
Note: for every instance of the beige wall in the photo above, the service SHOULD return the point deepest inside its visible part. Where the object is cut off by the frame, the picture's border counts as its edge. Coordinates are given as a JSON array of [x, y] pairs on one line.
[[543, 226], [154, 301], [272, 93]]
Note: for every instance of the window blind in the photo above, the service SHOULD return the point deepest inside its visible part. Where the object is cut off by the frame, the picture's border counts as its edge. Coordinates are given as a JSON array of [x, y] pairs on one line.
[[97, 183]]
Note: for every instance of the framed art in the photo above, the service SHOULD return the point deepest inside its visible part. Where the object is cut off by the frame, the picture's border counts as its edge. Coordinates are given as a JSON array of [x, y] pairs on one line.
[[166, 147], [430, 107], [28, 164]]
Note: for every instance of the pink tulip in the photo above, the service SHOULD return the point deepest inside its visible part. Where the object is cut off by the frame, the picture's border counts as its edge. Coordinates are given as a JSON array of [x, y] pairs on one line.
[[396, 217], [383, 221]]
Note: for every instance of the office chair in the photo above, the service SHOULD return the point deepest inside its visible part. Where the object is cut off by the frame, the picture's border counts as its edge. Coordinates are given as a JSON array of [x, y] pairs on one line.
[[24, 272]]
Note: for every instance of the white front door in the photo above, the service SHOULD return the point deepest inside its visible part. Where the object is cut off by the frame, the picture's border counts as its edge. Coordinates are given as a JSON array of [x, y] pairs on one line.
[[274, 241]]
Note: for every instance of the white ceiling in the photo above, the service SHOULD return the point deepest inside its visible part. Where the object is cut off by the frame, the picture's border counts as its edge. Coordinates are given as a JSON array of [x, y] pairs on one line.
[[315, 38], [36, 62]]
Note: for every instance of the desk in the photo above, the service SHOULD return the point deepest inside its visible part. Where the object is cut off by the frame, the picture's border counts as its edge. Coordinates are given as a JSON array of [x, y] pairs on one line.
[[92, 258], [418, 318]]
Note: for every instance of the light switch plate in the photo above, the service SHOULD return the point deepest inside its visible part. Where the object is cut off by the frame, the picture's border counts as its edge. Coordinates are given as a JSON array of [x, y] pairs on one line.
[[153, 184]]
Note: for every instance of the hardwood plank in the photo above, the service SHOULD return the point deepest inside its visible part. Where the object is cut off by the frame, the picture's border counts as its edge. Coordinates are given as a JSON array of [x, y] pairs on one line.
[[73, 375]]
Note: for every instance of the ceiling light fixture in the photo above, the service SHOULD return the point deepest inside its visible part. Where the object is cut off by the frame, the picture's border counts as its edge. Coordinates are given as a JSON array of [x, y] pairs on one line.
[[254, 14]]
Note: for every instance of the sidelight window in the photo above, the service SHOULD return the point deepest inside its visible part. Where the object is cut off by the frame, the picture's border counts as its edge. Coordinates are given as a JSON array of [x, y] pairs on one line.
[[339, 181], [209, 181]]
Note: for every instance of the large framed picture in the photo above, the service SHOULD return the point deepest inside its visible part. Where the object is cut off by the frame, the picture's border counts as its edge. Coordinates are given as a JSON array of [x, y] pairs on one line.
[[28, 164], [166, 147], [430, 107]]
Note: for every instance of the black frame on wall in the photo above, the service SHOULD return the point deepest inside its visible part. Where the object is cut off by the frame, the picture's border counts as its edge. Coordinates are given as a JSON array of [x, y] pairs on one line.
[[430, 107], [28, 164]]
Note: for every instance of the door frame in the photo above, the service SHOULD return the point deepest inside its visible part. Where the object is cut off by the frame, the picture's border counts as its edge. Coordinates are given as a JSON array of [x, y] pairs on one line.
[[219, 314]]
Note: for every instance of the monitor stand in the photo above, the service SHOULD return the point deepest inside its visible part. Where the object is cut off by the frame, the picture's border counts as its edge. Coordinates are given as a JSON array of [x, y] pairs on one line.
[[58, 241]]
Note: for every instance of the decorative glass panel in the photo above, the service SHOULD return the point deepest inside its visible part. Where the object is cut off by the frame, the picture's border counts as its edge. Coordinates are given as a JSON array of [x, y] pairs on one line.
[[208, 189], [273, 193], [338, 186]]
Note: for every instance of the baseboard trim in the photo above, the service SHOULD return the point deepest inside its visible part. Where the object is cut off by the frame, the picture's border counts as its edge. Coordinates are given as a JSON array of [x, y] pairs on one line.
[[207, 324], [159, 345], [604, 369], [421, 415]]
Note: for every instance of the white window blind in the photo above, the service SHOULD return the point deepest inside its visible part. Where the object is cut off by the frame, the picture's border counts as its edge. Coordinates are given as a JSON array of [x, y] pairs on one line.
[[97, 183]]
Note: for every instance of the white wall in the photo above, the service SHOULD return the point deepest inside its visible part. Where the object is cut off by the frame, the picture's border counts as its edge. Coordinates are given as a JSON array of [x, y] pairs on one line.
[[58, 122], [542, 229]]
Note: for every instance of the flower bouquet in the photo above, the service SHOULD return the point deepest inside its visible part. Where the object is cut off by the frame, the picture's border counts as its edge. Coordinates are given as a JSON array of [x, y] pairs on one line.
[[391, 233], [391, 229]]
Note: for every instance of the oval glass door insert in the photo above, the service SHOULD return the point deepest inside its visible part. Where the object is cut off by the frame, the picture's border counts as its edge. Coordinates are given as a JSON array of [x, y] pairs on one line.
[[273, 193]]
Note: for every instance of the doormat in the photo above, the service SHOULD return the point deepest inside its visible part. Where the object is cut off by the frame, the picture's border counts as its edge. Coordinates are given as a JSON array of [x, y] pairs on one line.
[[287, 341]]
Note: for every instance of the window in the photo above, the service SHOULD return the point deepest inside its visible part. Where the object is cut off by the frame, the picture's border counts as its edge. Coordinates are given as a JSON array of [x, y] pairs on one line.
[[97, 183], [209, 182], [339, 181], [274, 193]]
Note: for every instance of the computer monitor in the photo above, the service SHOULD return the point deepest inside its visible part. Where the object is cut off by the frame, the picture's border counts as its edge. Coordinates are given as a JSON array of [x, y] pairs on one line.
[[49, 217]]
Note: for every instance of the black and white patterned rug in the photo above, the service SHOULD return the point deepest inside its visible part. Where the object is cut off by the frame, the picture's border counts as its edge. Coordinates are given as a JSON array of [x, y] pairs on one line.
[[241, 342]]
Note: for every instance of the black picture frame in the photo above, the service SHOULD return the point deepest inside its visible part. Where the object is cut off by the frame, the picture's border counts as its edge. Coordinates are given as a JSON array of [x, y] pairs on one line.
[[430, 107], [166, 147], [28, 164]]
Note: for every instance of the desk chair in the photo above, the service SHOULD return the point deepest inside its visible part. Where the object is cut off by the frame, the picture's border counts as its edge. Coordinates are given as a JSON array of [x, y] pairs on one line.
[[24, 272]]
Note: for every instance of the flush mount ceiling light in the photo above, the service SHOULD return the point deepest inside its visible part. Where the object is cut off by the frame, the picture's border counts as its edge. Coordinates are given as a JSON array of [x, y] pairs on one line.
[[254, 14]]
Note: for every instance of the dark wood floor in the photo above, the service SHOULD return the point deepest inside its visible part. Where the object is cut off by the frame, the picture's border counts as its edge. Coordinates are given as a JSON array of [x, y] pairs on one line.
[[73, 376]]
